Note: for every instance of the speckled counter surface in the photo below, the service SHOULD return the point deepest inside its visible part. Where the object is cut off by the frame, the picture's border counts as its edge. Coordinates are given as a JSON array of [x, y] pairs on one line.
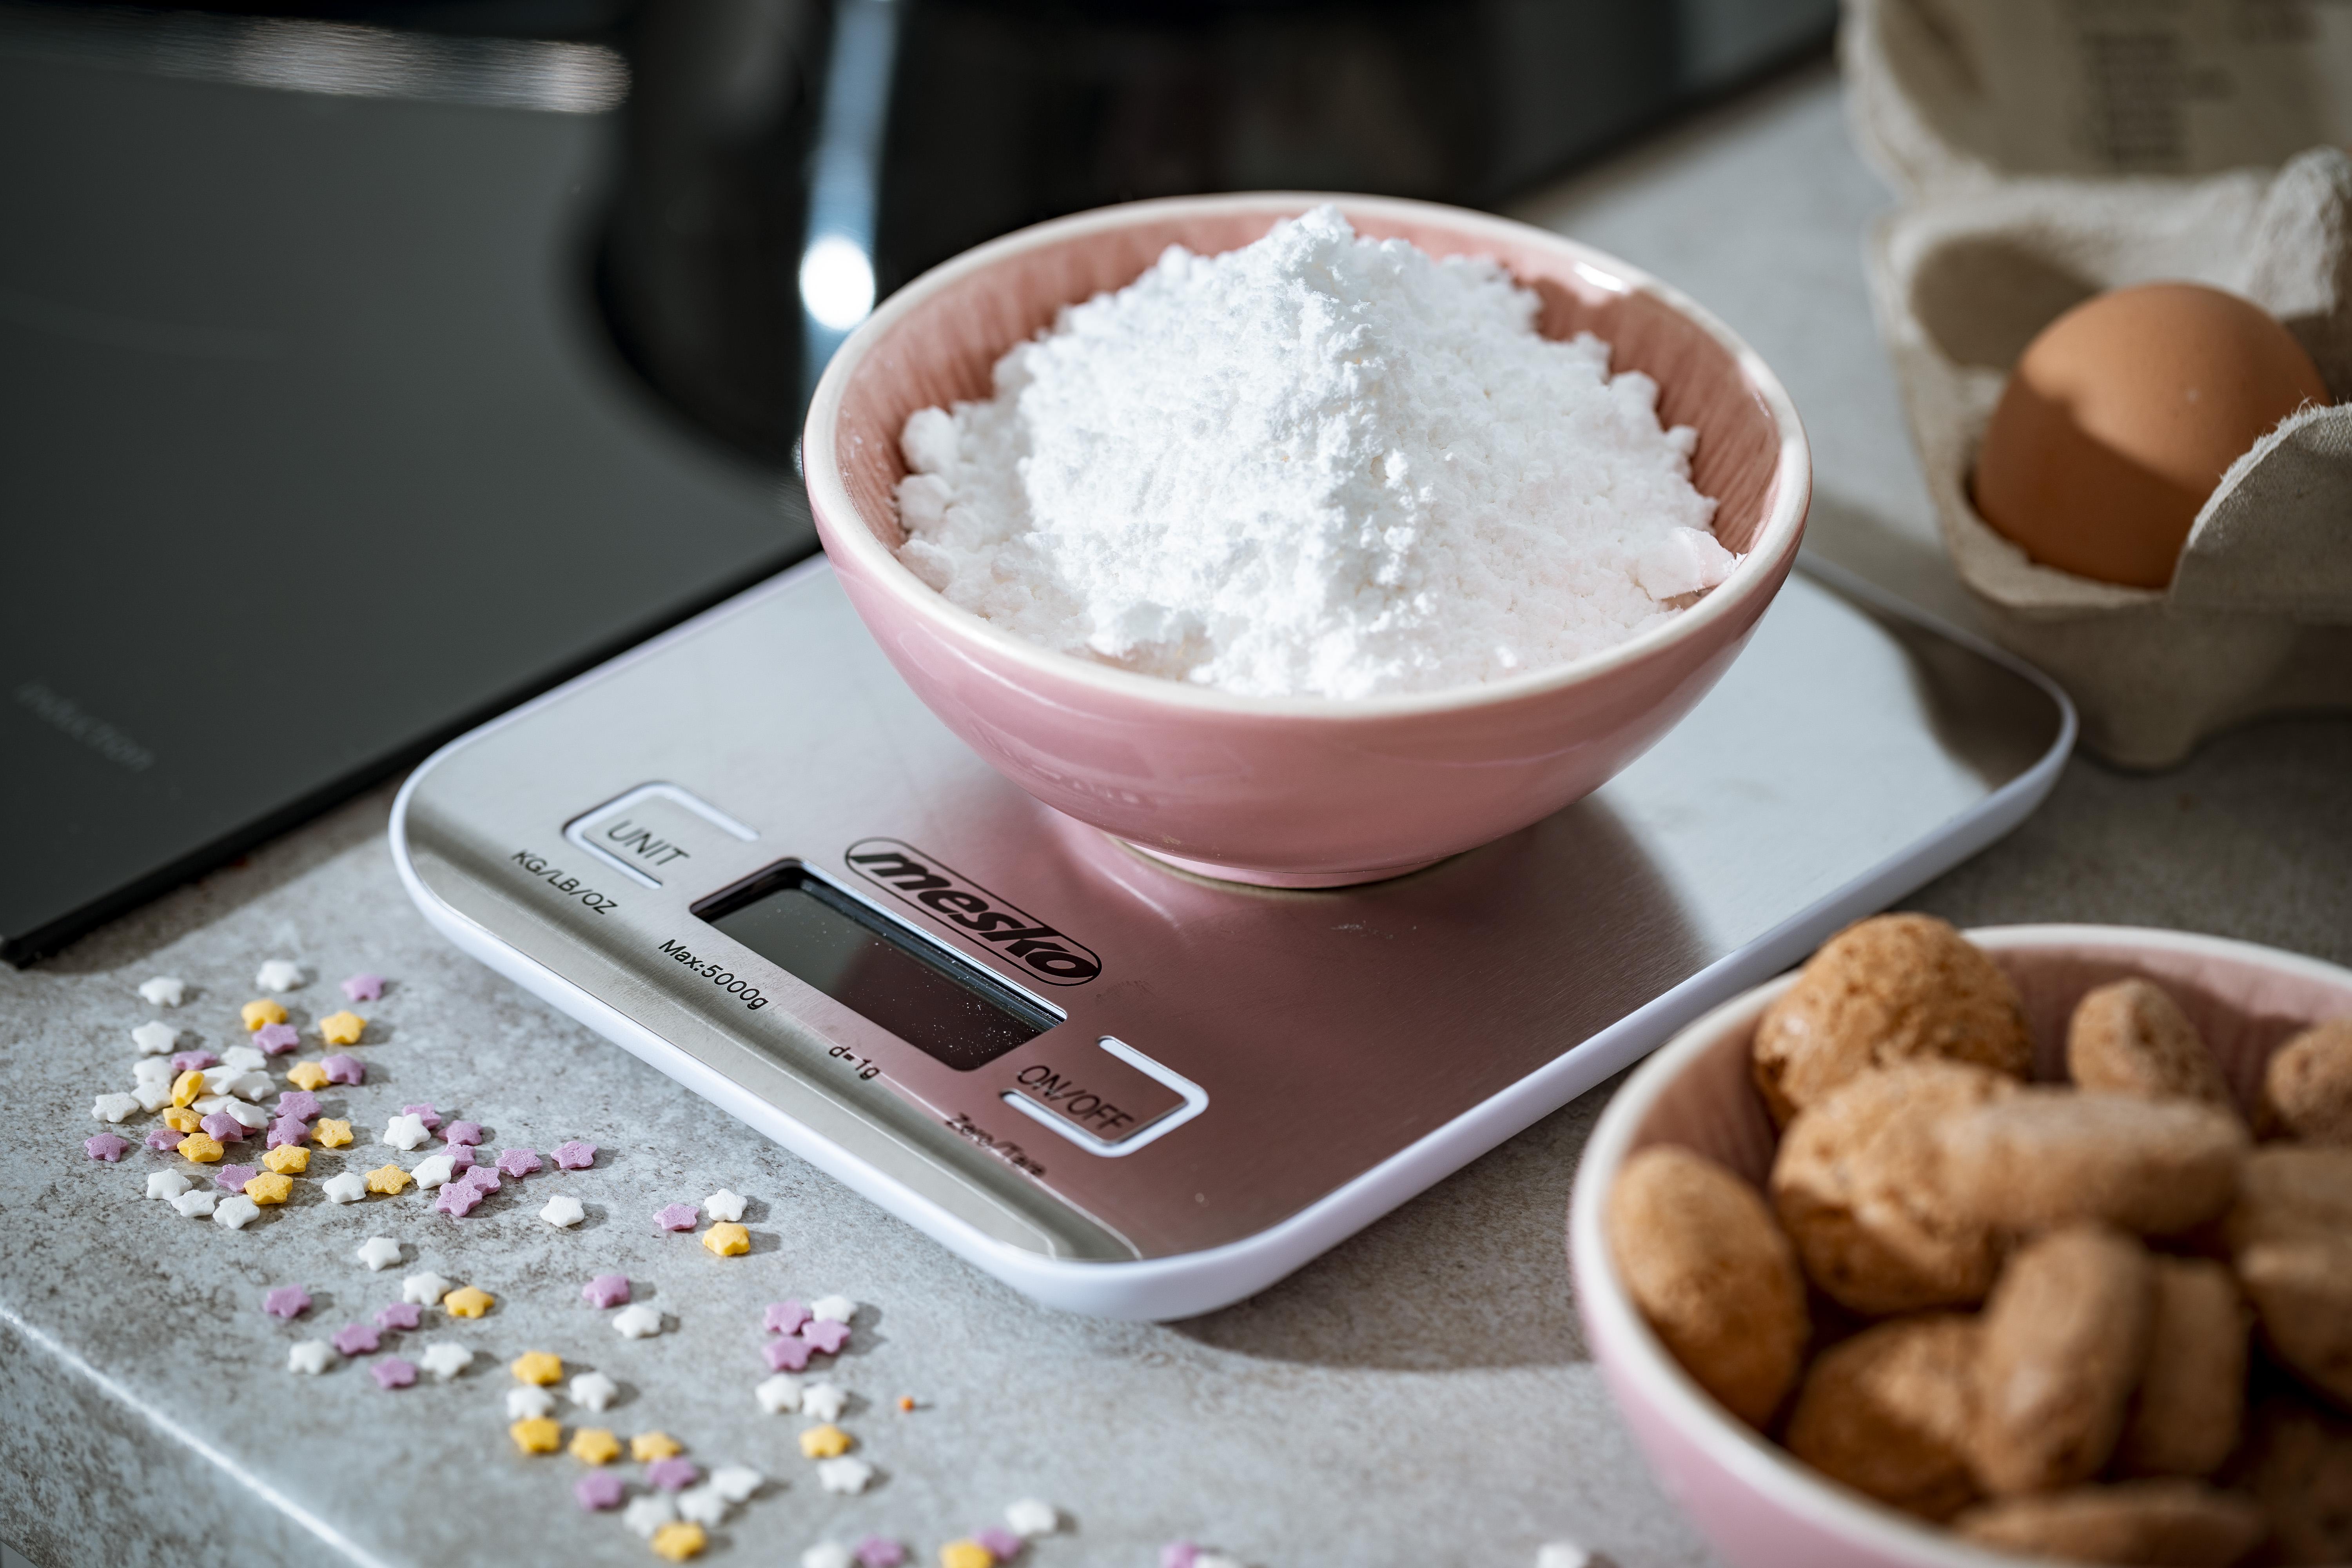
[[1420, 1396]]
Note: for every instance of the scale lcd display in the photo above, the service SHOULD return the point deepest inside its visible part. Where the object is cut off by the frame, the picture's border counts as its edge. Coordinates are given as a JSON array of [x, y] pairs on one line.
[[877, 968]]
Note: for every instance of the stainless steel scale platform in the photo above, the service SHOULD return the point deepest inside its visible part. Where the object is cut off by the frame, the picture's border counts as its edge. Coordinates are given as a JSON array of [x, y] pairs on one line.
[[748, 854]]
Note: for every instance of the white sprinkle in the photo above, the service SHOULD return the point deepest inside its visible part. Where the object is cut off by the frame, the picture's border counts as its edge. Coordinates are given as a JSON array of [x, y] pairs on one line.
[[724, 1205], [151, 1069], [164, 990], [252, 1117], [702, 1505], [594, 1390], [196, 1203], [1217, 1560], [641, 1321], [527, 1403], [736, 1483], [379, 1252], [253, 1084], [426, 1290], [166, 1184], [833, 1309], [236, 1212], [344, 1187], [243, 1058], [218, 1079], [405, 1132], [848, 1475], [207, 1105], [563, 1212], [1032, 1517], [649, 1513], [1562, 1554], [445, 1358], [279, 974], [113, 1107], [155, 1037], [828, 1554], [826, 1401], [311, 1357], [432, 1170], [152, 1097], [779, 1394]]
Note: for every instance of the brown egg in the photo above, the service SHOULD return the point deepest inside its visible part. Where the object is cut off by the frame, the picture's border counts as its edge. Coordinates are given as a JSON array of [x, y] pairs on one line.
[[2123, 415]]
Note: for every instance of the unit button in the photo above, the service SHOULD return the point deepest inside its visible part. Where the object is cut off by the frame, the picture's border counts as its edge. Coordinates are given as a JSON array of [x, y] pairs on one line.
[[655, 832], [1109, 1101]]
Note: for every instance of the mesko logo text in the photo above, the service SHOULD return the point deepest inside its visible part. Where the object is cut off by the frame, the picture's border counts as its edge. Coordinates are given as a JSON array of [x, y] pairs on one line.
[[922, 878]]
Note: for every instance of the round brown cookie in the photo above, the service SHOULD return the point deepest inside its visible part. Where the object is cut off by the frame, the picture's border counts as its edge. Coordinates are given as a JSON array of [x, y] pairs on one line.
[[2045, 1157], [1887, 1413], [2171, 1523], [2131, 1038], [2307, 1087], [2065, 1336], [1713, 1275], [1893, 988], [2302, 1292], [2298, 1464], [1855, 1186], [2288, 1190], [2192, 1392]]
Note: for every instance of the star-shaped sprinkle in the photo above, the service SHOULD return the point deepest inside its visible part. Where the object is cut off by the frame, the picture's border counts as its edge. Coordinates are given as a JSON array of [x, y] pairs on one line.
[[279, 974], [389, 1180], [726, 1241], [461, 1157], [649, 1514], [778, 1393], [113, 1107], [307, 1075], [594, 1444], [824, 1401], [825, 1442], [457, 1199], [276, 1039], [602, 1490], [287, 1131], [523, 1404], [192, 1061], [106, 1146], [269, 1188], [425, 1289], [236, 1212], [536, 1435], [342, 1029], [672, 1475], [404, 1131], [1032, 1517], [826, 1334], [162, 1139], [783, 1316], [423, 1113], [537, 1367], [357, 1338], [244, 1058], [344, 1187], [469, 1301], [676, 1543], [724, 1204], [607, 1290], [200, 1148], [874, 1551], [196, 1203], [432, 1171], [379, 1252], [648, 1446], [445, 1360], [400, 1315], [677, 1216], [341, 1068], [638, 1322], [252, 1117], [787, 1354], [232, 1178], [261, 1011], [364, 987], [736, 1483], [702, 1506], [311, 1357], [518, 1162], [222, 1128], [164, 990], [154, 1038], [463, 1134], [594, 1390], [999, 1543], [287, 1159], [483, 1179], [393, 1372], [166, 1184], [833, 1309], [563, 1212], [574, 1155], [286, 1301], [300, 1104]]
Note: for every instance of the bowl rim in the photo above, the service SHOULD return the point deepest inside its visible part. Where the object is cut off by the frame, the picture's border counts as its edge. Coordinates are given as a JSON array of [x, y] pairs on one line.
[[1737, 1448], [1760, 571]]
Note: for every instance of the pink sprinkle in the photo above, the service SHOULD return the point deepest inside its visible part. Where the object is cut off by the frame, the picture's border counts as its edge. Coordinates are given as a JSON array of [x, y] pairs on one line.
[[783, 1316], [880, 1551], [398, 1315], [425, 1113], [298, 1103], [677, 1216], [481, 1178], [1002, 1543], [598, 1491], [106, 1146], [357, 1338], [222, 1127], [461, 1158], [341, 1068], [467, 1133], [457, 1199], [607, 1290], [287, 1302], [673, 1474], [787, 1354], [276, 1039], [232, 1178], [193, 1061], [393, 1372], [1179, 1554], [824, 1335], [518, 1162], [574, 1155], [286, 1130], [364, 987], [159, 1138]]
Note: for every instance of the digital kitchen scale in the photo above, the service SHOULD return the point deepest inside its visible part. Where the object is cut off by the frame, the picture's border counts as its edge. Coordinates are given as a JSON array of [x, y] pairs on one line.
[[748, 854]]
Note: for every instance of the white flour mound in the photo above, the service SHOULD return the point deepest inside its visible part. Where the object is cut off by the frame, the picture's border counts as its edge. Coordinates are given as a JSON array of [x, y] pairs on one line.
[[1316, 465]]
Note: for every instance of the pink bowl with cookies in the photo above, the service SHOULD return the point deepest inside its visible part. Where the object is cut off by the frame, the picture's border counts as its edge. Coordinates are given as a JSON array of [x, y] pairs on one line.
[[1759, 1505]]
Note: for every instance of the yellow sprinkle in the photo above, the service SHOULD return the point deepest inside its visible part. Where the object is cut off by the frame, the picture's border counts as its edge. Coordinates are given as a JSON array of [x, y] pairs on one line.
[[470, 1302], [388, 1179], [187, 1087], [536, 1435], [288, 1160], [330, 1133], [204, 1150], [648, 1446], [966, 1554], [307, 1075], [269, 1188], [341, 1028], [540, 1367], [180, 1118], [827, 1442], [595, 1446], [677, 1541], [727, 1240], [265, 1011]]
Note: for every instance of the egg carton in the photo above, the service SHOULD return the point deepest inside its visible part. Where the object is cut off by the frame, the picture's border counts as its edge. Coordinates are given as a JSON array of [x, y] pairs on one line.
[[2045, 153]]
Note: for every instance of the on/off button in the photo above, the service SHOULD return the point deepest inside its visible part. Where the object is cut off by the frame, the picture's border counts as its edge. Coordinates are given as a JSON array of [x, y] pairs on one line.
[[1106, 1101]]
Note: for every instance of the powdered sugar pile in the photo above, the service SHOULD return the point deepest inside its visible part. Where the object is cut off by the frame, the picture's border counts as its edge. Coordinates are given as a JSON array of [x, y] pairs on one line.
[[1316, 465]]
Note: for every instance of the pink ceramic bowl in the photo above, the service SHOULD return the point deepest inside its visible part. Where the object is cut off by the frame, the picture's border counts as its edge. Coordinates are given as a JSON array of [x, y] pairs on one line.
[[1758, 1505], [1306, 791]]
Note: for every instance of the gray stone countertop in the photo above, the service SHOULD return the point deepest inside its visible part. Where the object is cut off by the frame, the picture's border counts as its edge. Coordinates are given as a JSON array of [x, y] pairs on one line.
[[1419, 1396]]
